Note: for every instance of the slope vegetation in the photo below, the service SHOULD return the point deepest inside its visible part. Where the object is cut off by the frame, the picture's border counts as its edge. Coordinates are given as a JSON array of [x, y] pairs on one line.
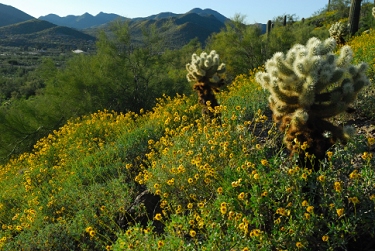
[[221, 186]]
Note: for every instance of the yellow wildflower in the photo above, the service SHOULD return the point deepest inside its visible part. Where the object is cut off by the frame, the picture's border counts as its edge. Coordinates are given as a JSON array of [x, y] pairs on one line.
[[277, 221], [223, 208], [325, 238], [353, 200], [219, 190], [170, 182], [354, 175], [329, 154], [158, 217], [88, 229], [192, 233], [241, 196], [366, 156], [371, 141], [299, 245], [337, 186], [264, 162], [310, 209], [321, 178], [304, 146], [160, 244], [283, 211], [340, 211], [92, 233], [255, 233]]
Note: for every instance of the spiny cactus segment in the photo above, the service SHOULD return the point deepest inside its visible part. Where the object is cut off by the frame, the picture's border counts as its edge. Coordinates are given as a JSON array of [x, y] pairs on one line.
[[205, 66]]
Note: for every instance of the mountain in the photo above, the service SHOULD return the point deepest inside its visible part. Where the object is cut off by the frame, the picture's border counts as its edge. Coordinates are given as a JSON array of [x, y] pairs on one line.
[[81, 22], [208, 12], [87, 20], [42, 34], [181, 29], [10, 15]]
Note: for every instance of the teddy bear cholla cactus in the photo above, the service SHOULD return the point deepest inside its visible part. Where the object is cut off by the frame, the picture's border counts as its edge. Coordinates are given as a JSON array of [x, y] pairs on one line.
[[204, 70], [338, 31], [308, 85]]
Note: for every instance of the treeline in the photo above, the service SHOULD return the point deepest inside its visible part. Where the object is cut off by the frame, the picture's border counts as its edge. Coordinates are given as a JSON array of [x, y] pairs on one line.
[[124, 76]]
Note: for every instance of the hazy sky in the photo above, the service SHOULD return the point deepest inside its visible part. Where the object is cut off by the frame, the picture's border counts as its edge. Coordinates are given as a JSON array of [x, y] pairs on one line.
[[254, 10]]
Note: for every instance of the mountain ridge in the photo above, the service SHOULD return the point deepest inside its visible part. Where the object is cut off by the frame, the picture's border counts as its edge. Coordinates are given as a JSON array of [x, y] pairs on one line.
[[86, 20]]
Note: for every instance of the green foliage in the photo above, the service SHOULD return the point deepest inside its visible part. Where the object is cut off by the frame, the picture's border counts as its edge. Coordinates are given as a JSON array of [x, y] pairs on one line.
[[240, 47], [121, 76]]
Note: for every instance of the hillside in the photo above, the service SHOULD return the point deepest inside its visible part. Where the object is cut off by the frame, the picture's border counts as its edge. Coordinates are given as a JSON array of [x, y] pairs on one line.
[[169, 179], [42, 34], [284, 161], [10, 15], [180, 29]]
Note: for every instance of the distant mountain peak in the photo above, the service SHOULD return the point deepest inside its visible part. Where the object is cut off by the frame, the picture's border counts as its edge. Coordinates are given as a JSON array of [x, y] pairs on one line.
[[207, 12], [87, 14]]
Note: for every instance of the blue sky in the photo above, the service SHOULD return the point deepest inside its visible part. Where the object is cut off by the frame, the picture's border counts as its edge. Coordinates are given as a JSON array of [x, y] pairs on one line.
[[254, 10]]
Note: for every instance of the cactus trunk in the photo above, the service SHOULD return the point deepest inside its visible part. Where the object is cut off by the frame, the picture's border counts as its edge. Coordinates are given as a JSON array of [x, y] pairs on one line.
[[355, 10]]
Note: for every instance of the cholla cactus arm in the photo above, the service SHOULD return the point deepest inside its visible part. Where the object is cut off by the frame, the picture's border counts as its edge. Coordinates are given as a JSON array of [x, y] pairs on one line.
[[311, 83], [204, 66], [373, 11], [338, 31]]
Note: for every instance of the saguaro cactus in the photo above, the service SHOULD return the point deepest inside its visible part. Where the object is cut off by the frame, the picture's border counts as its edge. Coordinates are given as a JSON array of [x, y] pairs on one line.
[[354, 14], [268, 27], [307, 86], [204, 70]]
